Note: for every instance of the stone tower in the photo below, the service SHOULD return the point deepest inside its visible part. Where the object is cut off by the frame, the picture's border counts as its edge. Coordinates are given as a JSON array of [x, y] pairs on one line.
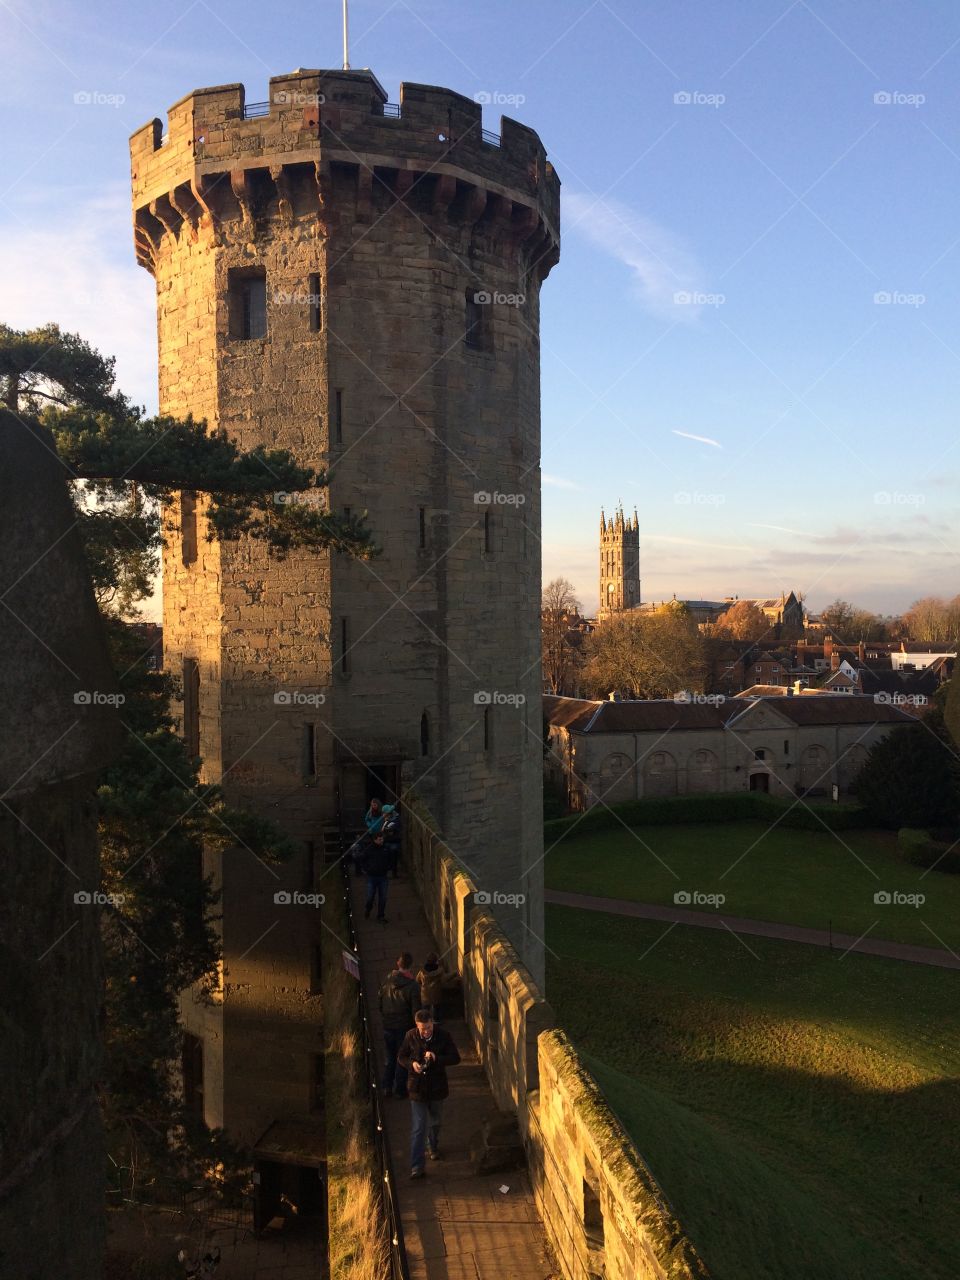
[[619, 563], [358, 282]]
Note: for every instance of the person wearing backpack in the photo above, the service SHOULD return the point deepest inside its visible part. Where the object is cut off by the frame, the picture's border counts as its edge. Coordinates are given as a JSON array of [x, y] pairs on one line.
[[399, 999]]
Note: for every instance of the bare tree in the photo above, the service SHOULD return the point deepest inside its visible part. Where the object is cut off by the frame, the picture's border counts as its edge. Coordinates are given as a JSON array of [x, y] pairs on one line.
[[933, 620], [850, 623], [559, 605]]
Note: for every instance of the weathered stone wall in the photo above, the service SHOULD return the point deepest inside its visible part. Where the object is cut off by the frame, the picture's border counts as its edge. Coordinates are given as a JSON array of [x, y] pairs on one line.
[[425, 660], [602, 1208], [59, 731]]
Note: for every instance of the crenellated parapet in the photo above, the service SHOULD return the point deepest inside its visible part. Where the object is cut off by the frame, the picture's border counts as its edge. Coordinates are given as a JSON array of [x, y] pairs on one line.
[[224, 160]]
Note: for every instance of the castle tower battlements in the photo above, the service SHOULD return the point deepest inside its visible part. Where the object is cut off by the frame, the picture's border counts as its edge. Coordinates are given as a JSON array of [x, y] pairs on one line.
[[221, 160], [358, 284]]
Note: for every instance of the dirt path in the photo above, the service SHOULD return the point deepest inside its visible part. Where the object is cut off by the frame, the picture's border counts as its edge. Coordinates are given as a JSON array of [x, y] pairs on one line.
[[843, 942]]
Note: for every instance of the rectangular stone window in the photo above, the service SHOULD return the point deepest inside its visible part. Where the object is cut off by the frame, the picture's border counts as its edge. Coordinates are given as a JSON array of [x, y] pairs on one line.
[[309, 750], [423, 526], [192, 1068], [476, 320], [487, 533], [338, 416], [487, 729], [188, 527], [247, 302], [313, 301], [191, 706], [344, 646]]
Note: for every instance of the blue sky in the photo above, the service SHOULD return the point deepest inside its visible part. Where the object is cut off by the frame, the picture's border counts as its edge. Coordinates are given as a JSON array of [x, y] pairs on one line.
[[788, 166]]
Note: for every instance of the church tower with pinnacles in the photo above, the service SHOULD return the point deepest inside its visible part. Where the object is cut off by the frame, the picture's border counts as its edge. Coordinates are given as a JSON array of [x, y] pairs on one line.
[[358, 282], [619, 563]]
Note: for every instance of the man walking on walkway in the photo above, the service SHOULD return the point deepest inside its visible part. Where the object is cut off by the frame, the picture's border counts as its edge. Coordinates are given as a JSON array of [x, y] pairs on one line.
[[426, 1052], [375, 863], [399, 1000]]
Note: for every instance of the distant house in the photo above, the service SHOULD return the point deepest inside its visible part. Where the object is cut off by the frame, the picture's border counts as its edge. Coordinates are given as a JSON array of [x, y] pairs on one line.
[[781, 611], [610, 752], [734, 665], [911, 689]]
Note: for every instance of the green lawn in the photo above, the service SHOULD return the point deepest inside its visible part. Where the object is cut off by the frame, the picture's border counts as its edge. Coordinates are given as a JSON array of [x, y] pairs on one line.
[[800, 877], [794, 1104]]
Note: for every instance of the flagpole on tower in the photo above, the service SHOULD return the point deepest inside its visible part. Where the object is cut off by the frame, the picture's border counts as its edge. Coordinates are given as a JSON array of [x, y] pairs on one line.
[[346, 38]]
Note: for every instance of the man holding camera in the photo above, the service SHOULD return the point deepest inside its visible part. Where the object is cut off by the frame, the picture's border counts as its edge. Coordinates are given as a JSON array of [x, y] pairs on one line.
[[426, 1053]]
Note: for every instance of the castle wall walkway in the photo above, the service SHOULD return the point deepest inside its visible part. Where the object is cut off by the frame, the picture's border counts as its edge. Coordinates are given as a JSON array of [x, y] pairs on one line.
[[457, 1225]]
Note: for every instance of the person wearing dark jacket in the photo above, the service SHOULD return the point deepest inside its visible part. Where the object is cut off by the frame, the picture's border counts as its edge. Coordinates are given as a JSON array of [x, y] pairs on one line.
[[392, 836], [399, 1001], [426, 1053], [375, 863]]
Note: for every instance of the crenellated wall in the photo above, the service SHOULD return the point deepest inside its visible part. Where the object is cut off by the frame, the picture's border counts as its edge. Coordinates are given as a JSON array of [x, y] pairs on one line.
[[603, 1211], [318, 118]]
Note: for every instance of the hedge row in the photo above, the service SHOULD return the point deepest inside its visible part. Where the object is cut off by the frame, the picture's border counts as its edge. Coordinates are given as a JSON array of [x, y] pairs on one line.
[[735, 807], [921, 850]]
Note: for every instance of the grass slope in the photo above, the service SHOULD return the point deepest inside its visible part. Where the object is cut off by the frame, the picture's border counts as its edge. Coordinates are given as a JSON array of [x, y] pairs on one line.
[[799, 877], [795, 1106]]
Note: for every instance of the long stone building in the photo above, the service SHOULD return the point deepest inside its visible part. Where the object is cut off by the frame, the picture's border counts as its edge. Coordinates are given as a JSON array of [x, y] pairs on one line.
[[611, 752], [357, 282]]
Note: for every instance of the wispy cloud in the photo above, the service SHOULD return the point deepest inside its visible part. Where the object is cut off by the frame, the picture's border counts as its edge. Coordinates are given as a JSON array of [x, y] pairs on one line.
[[662, 265], [700, 439], [777, 528], [692, 542], [558, 482]]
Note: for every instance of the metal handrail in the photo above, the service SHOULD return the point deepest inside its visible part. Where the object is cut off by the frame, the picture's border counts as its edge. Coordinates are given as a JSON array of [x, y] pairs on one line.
[[252, 109], [492, 139], [392, 110], [399, 1266]]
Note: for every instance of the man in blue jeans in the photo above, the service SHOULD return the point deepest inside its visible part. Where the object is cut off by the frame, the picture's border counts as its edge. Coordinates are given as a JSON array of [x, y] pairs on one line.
[[399, 999], [375, 863], [426, 1053]]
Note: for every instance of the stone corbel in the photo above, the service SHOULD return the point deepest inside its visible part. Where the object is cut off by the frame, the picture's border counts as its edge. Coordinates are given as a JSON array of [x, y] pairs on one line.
[[444, 189], [402, 183], [181, 202], [364, 193], [281, 180], [322, 180], [201, 188], [240, 186], [475, 205], [167, 216], [146, 247]]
